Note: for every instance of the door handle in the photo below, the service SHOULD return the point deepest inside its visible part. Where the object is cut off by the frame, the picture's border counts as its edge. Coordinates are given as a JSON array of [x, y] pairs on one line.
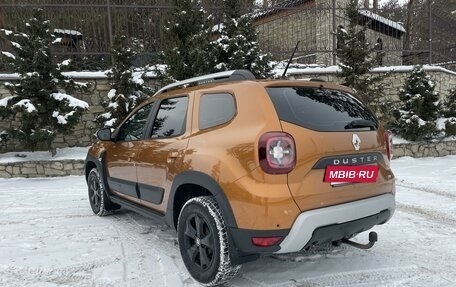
[[173, 154]]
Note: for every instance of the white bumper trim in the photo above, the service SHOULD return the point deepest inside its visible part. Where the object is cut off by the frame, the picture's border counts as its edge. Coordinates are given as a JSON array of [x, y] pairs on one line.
[[307, 222]]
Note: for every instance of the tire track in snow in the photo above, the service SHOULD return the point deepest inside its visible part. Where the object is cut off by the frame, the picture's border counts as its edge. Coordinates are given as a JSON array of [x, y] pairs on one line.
[[434, 215], [77, 273], [152, 238], [391, 276], [44, 218], [427, 189]]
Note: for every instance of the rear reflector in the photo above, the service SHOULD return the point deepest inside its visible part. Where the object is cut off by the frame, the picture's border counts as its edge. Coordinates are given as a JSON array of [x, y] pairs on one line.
[[266, 241]]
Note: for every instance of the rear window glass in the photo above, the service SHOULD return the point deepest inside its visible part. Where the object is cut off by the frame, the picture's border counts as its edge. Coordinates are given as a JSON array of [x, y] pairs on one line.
[[320, 109]]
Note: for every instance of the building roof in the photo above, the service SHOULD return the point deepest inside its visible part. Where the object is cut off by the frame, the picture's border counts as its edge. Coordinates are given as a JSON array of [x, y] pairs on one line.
[[277, 8], [382, 19]]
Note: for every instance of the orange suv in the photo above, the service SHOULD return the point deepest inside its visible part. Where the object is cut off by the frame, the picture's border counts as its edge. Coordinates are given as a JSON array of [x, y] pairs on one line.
[[240, 167]]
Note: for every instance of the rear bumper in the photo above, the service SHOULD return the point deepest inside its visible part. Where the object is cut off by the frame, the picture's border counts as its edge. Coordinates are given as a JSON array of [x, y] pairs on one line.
[[320, 225], [343, 219]]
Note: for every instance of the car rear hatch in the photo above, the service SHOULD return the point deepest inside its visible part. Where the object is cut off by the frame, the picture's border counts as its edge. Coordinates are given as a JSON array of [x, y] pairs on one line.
[[330, 127]]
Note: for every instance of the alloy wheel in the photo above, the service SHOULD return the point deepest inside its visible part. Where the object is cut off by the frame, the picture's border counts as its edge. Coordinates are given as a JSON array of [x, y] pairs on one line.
[[199, 242]]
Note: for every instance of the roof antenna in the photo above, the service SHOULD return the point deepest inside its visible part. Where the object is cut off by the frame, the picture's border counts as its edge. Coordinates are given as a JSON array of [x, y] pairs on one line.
[[291, 59]]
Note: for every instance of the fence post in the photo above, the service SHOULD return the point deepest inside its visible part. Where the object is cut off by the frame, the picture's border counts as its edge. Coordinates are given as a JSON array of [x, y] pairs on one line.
[[334, 28], [108, 8], [430, 31]]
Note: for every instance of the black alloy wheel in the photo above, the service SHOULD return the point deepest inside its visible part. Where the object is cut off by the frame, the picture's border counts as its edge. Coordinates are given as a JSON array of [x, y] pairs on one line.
[[95, 194], [203, 242], [99, 201], [199, 241]]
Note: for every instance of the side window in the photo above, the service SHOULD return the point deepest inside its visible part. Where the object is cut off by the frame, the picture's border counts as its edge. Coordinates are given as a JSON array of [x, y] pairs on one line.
[[133, 128], [215, 109], [170, 120]]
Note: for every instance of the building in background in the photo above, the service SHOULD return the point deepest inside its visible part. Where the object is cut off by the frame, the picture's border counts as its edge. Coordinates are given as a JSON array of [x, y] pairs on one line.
[[314, 23]]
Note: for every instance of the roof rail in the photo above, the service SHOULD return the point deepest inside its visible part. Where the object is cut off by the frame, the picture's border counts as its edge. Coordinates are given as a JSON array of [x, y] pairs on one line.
[[228, 76]]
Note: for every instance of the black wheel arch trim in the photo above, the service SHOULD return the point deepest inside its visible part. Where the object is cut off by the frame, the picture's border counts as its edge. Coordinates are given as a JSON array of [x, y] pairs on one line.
[[99, 164], [207, 182]]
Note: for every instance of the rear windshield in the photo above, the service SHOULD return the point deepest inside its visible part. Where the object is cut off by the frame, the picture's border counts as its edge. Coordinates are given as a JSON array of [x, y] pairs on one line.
[[321, 109]]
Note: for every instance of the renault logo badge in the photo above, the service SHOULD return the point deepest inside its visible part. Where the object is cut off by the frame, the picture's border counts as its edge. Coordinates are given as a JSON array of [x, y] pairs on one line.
[[356, 141]]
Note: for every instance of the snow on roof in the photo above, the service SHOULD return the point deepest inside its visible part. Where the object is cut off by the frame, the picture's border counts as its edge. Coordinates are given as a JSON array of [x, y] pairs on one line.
[[382, 19], [310, 70], [276, 8], [88, 74], [69, 32]]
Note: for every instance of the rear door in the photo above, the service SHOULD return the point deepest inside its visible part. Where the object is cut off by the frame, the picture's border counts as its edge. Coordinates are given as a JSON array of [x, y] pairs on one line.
[[330, 127], [162, 152], [121, 157]]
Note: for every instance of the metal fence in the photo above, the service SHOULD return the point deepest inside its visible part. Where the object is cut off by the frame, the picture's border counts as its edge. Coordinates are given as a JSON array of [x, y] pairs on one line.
[[89, 27]]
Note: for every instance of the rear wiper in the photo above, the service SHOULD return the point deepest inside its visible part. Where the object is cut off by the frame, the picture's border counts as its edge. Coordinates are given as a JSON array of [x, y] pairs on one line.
[[361, 124]]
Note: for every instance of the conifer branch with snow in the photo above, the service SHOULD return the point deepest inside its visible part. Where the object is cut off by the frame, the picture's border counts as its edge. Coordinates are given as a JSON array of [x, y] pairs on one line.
[[237, 46], [127, 85], [356, 59]]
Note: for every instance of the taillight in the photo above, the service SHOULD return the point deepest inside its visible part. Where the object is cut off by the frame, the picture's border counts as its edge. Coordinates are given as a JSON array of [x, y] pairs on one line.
[[265, 241], [389, 144], [277, 153]]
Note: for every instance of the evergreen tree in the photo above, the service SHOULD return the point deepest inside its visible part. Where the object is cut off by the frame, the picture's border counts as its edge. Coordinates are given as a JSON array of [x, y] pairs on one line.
[[40, 102], [127, 86], [449, 105], [357, 59], [417, 114], [187, 49], [449, 111], [237, 46]]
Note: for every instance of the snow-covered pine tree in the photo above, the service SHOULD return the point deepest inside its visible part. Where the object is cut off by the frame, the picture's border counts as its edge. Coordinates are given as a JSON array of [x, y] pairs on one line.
[[237, 46], [449, 105], [127, 86], [449, 111], [187, 50], [40, 102], [419, 107], [356, 58]]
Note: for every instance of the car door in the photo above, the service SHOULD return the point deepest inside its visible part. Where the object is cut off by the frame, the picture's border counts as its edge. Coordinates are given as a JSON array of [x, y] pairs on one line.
[[162, 154], [120, 158]]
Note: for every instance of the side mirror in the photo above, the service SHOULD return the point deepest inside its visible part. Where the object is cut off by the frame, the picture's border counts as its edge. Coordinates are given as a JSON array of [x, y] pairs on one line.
[[104, 134]]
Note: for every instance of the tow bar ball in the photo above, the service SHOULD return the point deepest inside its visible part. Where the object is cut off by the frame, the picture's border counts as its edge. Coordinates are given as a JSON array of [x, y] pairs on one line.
[[373, 237]]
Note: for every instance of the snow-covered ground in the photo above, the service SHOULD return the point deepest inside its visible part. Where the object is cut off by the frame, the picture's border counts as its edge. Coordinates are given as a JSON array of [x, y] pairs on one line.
[[61, 154], [49, 237]]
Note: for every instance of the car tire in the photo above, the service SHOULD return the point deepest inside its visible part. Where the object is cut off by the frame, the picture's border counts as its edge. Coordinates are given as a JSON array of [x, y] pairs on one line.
[[99, 201], [203, 242]]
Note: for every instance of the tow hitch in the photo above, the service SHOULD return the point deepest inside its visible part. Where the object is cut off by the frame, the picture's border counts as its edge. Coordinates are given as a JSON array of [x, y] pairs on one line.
[[373, 237]]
